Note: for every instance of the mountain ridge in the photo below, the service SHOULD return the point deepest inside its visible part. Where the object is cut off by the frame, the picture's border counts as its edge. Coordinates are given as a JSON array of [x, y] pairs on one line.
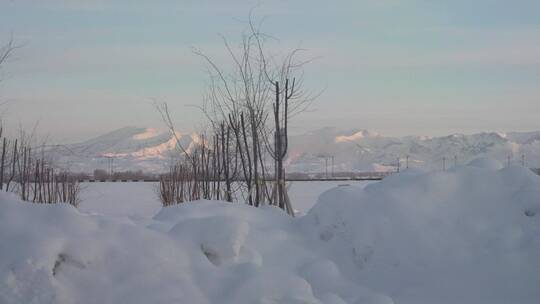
[[152, 150]]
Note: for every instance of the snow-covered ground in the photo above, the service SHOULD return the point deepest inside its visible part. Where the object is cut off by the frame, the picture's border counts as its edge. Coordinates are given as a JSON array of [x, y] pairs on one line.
[[140, 201], [135, 200], [467, 235]]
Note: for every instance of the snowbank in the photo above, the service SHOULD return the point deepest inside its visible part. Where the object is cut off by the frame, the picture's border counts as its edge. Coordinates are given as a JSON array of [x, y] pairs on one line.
[[467, 235], [203, 252]]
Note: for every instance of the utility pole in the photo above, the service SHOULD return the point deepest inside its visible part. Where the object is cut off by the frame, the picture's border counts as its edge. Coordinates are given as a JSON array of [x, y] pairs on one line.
[[444, 163], [332, 165], [407, 162], [398, 165], [326, 166], [110, 165]]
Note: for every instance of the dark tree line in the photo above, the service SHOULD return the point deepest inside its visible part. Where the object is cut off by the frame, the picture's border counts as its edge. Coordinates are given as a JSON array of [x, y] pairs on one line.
[[101, 174]]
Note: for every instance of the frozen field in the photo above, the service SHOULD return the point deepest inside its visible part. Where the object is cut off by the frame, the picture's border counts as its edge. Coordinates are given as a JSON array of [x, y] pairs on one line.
[[140, 200]]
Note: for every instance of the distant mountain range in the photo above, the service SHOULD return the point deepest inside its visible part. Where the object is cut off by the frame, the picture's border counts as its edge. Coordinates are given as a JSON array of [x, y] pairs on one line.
[[362, 150], [129, 148], [152, 150]]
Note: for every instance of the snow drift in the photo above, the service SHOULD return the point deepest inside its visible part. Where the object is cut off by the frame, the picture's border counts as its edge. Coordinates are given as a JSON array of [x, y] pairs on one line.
[[467, 235]]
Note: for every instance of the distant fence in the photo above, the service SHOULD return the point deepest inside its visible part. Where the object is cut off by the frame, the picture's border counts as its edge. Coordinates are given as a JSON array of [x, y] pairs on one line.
[[118, 180], [365, 177]]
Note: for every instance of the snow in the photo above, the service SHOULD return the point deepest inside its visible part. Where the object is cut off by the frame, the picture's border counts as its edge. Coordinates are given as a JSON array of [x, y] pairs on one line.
[[355, 136], [148, 133], [470, 234], [139, 201], [304, 195], [467, 235], [365, 150], [353, 150], [486, 163], [133, 200]]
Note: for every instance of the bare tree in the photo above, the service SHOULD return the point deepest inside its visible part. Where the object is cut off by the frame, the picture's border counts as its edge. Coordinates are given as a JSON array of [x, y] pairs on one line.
[[32, 177], [281, 143], [25, 172], [243, 98], [239, 104], [240, 98], [6, 51]]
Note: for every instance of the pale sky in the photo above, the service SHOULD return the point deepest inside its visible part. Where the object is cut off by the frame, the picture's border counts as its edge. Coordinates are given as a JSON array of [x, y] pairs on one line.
[[398, 67]]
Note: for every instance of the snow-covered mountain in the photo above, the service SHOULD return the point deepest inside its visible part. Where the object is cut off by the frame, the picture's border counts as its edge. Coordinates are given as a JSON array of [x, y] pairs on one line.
[[129, 148], [361, 150], [152, 150]]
